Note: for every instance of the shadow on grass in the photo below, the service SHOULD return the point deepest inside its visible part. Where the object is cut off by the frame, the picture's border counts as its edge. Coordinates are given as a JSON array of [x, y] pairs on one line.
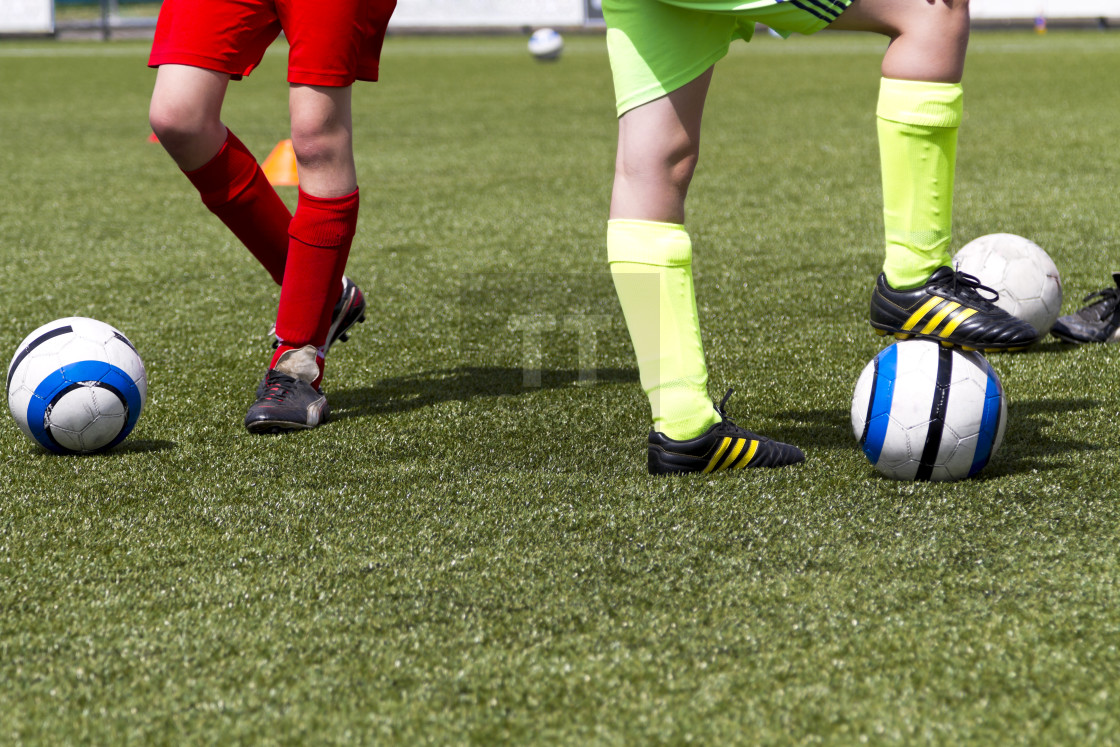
[[822, 428], [1046, 346], [461, 384], [130, 446], [1026, 443]]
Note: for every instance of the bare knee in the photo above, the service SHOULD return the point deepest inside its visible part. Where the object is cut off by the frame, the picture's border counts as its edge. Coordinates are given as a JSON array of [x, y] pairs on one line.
[[320, 141], [191, 137], [323, 144], [671, 175], [653, 184], [185, 113], [174, 126], [668, 157], [928, 37]]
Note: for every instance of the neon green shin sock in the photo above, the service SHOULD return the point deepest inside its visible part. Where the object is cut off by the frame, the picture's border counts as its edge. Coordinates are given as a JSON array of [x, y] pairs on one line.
[[651, 264], [918, 124]]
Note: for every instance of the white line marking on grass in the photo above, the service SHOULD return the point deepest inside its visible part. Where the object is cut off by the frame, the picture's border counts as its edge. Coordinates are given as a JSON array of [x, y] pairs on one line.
[[64, 51]]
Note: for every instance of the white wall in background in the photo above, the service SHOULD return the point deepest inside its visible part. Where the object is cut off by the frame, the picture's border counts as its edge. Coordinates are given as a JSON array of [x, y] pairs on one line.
[[1045, 8], [26, 16], [453, 13]]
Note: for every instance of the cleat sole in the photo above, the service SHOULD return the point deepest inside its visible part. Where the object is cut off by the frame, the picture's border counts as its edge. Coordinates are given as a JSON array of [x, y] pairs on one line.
[[273, 428], [949, 343]]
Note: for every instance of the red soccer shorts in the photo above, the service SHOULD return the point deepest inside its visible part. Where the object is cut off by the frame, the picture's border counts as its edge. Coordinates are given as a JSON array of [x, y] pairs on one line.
[[331, 43]]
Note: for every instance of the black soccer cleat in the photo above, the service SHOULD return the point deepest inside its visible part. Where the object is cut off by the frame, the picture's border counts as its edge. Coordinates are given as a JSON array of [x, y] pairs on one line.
[[349, 310], [286, 400], [1097, 322], [950, 309], [724, 446]]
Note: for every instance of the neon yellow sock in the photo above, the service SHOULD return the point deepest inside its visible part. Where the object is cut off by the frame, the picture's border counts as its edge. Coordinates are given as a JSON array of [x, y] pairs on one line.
[[651, 264], [918, 124]]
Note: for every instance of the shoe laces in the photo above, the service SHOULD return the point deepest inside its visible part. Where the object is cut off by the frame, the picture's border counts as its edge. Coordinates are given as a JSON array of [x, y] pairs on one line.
[[1107, 305], [277, 386], [720, 408], [730, 426], [967, 286]]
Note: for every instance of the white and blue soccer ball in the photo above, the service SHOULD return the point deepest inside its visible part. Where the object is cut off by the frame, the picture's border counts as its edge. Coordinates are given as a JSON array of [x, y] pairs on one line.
[[1021, 272], [76, 386], [546, 44], [923, 411]]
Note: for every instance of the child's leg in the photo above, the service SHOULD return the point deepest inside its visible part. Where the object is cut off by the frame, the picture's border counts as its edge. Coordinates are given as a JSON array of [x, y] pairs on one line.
[[325, 221], [919, 112], [650, 256], [185, 115]]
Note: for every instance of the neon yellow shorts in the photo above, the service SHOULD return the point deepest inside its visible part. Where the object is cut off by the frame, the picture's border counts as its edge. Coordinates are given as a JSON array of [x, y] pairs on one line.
[[657, 46]]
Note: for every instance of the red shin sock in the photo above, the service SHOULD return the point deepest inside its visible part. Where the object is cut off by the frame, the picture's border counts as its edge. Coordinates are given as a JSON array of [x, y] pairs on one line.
[[235, 189], [319, 243]]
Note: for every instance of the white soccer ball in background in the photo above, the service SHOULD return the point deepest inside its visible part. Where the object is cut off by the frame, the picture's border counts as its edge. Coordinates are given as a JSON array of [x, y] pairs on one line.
[[76, 386], [546, 44], [1023, 274], [923, 411]]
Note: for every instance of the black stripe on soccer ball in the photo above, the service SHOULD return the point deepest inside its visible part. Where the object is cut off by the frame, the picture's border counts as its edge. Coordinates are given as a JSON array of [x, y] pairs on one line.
[[937, 414], [126, 341], [31, 346], [88, 384]]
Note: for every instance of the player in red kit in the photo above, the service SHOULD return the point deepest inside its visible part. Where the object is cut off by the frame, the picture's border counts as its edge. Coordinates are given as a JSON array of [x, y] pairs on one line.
[[199, 46]]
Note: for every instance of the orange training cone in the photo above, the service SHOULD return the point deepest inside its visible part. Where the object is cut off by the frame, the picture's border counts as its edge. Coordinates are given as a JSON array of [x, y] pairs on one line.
[[280, 166], [152, 138]]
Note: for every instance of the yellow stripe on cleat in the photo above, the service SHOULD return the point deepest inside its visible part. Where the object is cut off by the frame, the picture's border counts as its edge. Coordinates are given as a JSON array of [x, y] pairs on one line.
[[719, 452], [748, 456], [940, 317], [917, 315], [739, 444], [951, 327], [902, 336]]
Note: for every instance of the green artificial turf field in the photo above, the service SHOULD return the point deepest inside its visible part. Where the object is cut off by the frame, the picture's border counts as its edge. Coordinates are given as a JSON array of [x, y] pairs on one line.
[[471, 551]]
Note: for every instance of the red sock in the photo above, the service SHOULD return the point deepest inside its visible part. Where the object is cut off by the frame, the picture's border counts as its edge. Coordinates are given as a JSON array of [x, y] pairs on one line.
[[319, 243], [235, 189]]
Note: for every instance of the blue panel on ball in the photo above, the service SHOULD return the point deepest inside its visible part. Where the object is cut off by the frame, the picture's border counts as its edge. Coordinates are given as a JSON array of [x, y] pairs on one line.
[[989, 423], [879, 404], [73, 373]]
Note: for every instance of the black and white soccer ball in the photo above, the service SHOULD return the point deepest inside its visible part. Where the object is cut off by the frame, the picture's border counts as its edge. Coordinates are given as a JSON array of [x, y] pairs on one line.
[[1024, 275], [76, 386], [923, 411]]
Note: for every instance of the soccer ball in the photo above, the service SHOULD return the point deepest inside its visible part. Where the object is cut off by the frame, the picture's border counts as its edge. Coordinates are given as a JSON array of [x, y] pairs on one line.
[[546, 44], [76, 386], [923, 411], [1021, 272]]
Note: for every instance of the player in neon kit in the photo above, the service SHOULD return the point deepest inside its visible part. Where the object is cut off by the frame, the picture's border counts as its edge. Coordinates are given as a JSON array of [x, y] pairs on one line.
[[199, 46], [662, 55]]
